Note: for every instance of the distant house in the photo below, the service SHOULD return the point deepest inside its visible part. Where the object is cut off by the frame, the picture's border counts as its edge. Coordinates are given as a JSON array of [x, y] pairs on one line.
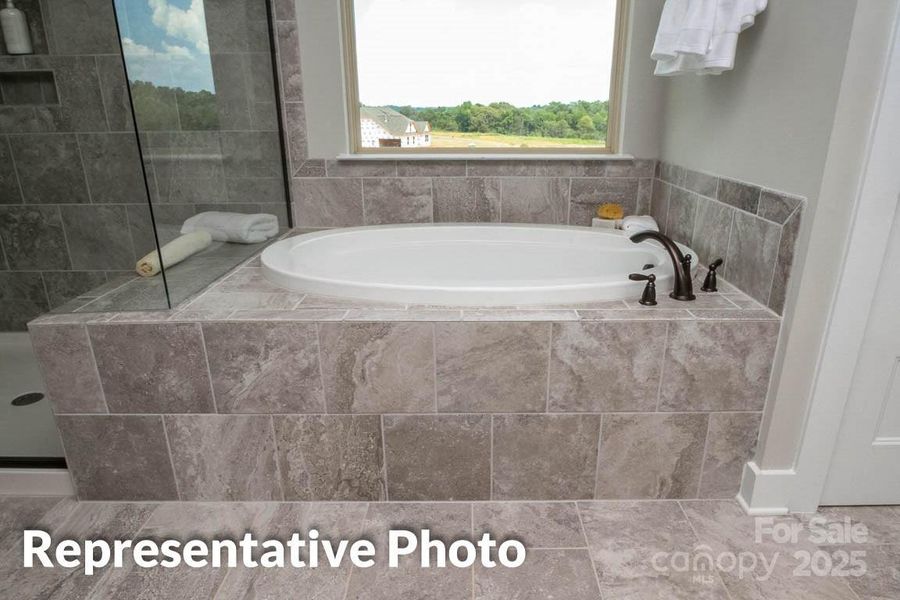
[[384, 127]]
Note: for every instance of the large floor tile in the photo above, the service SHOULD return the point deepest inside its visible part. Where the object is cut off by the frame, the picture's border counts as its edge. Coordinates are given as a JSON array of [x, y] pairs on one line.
[[19, 512], [631, 544], [333, 521], [564, 574], [85, 521], [535, 524], [184, 521], [447, 522]]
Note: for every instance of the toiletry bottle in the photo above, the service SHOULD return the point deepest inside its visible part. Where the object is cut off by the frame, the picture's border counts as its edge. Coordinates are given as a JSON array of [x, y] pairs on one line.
[[15, 29]]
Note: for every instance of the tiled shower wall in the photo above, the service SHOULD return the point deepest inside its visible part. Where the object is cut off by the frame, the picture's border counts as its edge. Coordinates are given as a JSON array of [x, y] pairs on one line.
[[70, 180], [73, 210]]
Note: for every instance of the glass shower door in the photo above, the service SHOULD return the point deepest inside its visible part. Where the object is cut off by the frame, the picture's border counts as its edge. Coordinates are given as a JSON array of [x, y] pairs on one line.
[[205, 103]]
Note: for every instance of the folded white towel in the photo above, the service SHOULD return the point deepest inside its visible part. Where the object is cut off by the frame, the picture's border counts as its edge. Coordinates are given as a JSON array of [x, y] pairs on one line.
[[173, 253], [234, 227], [635, 223]]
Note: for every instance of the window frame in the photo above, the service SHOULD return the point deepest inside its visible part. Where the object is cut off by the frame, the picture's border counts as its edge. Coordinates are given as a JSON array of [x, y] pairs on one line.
[[351, 97]]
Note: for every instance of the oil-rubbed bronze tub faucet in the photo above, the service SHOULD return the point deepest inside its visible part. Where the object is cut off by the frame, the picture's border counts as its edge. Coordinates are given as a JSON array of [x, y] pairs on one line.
[[684, 289]]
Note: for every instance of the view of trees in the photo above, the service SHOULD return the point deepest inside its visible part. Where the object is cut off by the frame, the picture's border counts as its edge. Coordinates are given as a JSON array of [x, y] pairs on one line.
[[161, 108], [584, 120]]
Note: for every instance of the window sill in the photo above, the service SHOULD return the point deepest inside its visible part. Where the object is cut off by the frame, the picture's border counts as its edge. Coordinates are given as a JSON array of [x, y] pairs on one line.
[[466, 156]]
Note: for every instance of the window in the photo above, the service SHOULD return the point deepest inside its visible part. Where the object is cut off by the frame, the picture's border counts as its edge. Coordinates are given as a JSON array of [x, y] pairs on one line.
[[488, 76]]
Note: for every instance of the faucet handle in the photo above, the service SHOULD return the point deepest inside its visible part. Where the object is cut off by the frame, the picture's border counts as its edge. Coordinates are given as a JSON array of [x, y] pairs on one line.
[[648, 298], [710, 283]]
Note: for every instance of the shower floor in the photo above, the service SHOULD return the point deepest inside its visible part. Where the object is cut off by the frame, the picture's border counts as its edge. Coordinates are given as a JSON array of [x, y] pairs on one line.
[[576, 551], [24, 430]]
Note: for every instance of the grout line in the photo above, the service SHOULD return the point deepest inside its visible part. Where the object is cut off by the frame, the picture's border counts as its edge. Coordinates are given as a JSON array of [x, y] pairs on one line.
[[387, 495], [472, 534], [703, 459], [171, 458], [278, 474], [549, 367], [90, 344], [87, 184], [362, 199], [421, 414], [697, 540], [103, 93], [731, 227], [662, 367], [12, 158], [450, 502], [491, 465], [321, 368], [44, 287], [431, 216], [599, 450], [771, 285], [434, 364], [588, 545], [212, 391]]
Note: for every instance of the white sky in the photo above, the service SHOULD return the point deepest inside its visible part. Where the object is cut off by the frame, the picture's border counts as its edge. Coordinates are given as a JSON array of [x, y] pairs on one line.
[[444, 52]]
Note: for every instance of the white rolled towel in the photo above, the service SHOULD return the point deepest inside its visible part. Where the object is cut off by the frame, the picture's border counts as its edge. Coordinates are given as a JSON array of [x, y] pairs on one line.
[[173, 253], [234, 227], [636, 223]]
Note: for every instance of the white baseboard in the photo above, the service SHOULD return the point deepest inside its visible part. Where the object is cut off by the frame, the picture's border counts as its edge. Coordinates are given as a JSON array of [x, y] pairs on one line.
[[765, 491], [36, 482]]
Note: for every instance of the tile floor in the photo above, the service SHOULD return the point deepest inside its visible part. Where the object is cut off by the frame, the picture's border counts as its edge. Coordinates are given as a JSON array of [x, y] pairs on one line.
[[599, 550]]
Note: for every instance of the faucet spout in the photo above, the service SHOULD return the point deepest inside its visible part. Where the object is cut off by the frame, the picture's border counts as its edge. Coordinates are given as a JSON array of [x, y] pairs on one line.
[[683, 288]]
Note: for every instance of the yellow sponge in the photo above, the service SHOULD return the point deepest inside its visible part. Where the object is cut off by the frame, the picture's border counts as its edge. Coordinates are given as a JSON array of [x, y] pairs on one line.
[[610, 210]]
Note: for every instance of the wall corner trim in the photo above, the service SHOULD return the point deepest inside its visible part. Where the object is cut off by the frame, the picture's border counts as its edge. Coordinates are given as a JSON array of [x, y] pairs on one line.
[[765, 491]]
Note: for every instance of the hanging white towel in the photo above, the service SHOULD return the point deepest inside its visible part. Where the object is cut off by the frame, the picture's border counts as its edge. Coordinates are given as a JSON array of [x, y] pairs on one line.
[[730, 18], [686, 26], [234, 227]]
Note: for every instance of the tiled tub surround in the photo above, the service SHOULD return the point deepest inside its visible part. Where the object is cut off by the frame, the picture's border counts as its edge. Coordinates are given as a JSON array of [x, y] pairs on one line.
[[753, 228], [73, 208], [349, 193], [270, 395]]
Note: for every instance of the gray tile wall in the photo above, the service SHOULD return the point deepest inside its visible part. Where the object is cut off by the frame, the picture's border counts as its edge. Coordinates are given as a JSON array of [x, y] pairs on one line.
[[73, 207], [240, 410], [752, 228], [69, 168]]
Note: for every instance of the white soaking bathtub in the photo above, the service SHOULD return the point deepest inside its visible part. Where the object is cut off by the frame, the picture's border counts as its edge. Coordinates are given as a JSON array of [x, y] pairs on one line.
[[468, 264]]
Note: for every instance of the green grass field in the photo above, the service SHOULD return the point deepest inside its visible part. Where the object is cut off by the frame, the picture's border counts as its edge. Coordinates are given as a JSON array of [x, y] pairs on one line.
[[455, 139]]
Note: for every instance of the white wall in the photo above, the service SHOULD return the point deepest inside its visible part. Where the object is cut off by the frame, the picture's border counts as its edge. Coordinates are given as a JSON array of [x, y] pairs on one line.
[[769, 120]]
